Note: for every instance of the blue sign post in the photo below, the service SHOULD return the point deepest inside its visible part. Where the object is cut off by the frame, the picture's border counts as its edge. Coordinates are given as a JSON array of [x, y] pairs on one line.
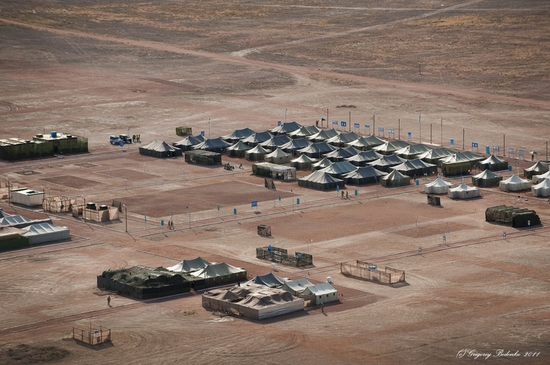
[[409, 136], [452, 142]]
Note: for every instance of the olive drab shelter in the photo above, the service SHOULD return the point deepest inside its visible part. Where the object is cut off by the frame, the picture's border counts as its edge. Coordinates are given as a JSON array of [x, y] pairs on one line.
[[189, 142], [256, 154], [363, 158], [303, 162], [160, 149], [238, 135], [363, 175], [343, 138], [385, 163], [337, 169], [304, 131], [237, 150], [213, 145], [493, 163], [295, 145], [278, 157], [366, 143], [317, 149], [323, 135], [486, 179], [321, 181], [389, 148], [257, 138], [537, 169], [285, 128], [412, 151], [275, 142], [340, 154], [395, 179]]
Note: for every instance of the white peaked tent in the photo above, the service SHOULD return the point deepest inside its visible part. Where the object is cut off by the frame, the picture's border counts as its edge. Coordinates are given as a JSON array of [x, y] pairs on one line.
[[463, 191], [542, 189], [438, 186], [217, 269], [540, 178], [514, 183], [46, 232], [189, 265]]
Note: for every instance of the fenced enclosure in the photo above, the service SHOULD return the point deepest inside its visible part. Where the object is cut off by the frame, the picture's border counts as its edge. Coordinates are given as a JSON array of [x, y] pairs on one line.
[[281, 255], [368, 271], [93, 335]]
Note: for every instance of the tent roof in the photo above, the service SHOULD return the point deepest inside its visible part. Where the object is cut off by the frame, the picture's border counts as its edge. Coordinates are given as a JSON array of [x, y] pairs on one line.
[[390, 160], [304, 159], [325, 162], [342, 152], [515, 179], [239, 146], [286, 128], [544, 184], [367, 142], [214, 143], [258, 137], [216, 269], [270, 280], [464, 187], [13, 219], [546, 175], [41, 228], [486, 174], [462, 157], [318, 147], [538, 167], [339, 168], [323, 135], [436, 153], [298, 285], [320, 177], [413, 149], [276, 141], [238, 134], [159, 146], [278, 153], [365, 156], [364, 172], [304, 131], [438, 182], [190, 141], [296, 144], [189, 265], [492, 160], [344, 137], [394, 176], [320, 289], [390, 146], [257, 150]]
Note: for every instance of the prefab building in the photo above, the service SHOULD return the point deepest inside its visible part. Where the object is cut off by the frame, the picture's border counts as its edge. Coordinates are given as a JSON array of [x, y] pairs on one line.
[[27, 197]]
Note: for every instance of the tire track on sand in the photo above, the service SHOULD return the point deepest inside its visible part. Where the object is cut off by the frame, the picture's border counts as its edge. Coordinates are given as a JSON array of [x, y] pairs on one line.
[[397, 87]]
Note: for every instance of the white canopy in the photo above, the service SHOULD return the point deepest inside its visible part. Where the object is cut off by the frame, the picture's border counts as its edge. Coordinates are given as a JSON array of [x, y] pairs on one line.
[[514, 183], [438, 186]]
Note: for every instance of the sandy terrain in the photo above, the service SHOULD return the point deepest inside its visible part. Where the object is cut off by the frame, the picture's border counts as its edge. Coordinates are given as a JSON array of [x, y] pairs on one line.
[[474, 71]]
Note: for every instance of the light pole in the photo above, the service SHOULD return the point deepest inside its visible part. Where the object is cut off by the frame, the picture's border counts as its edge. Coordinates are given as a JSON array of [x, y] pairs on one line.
[[420, 122], [285, 114], [171, 216], [292, 191], [441, 120], [189, 215], [126, 216]]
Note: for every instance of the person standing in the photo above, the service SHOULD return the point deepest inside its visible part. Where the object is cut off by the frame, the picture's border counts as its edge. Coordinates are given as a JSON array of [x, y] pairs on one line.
[[109, 300]]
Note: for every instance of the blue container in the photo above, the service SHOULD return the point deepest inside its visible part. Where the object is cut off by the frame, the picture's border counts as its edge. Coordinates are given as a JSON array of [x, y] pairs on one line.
[[54, 134], [509, 168]]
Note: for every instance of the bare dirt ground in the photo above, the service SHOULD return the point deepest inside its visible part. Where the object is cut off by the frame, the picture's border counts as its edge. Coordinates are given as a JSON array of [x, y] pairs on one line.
[[475, 71]]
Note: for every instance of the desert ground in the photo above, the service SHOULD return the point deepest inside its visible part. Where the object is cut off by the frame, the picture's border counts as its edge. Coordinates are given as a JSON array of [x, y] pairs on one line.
[[435, 72]]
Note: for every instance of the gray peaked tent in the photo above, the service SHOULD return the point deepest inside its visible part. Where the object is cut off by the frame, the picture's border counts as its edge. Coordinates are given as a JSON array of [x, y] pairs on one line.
[[363, 176], [213, 145], [325, 162], [255, 139], [386, 162], [514, 183], [463, 191], [540, 178], [394, 179], [542, 189], [337, 169], [160, 149], [276, 141], [486, 179], [256, 154], [341, 154], [321, 181], [364, 157], [412, 151], [438, 186], [342, 139], [295, 145], [278, 156], [238, 135], [302, 163], [305, 131], [323, 135], [237, 150], [286, 128], [493, 163], [367, 143], [296, 287], [416, 167], [270, 280], [317, 149], [388, 148], [189, 142], [45, 232], [537, 169], [436, 154]]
